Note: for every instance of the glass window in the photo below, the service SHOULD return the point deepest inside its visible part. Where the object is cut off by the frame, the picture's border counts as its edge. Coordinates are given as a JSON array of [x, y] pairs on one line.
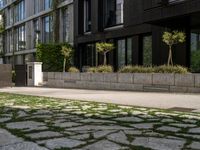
[[10, 40], [87, 15], [89, 56], [119, 11], [47, 4], [129, 51], [9, 20], [36, 32], [121, 48], [195, 51], [47, 26], [20, 11], [66, 25], [113, 13], [3, 3], [20, 38], [124, 50], [36, 6], [147, 50]]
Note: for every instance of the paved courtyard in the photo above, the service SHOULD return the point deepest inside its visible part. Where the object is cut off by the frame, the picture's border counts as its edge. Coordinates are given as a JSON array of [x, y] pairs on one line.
[[39, 123]]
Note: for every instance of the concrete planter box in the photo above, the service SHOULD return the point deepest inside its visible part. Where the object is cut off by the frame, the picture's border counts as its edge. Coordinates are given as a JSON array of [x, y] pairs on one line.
[[156, 82], [163, 79], [85, 76], [51, 75], [97, 77], [111, 77], [197, 80], [143, 78], [187, 80], [58, 75], [125, 78]]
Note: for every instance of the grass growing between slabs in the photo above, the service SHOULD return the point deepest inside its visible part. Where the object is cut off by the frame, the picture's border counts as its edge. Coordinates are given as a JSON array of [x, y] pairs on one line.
[[86, 125]]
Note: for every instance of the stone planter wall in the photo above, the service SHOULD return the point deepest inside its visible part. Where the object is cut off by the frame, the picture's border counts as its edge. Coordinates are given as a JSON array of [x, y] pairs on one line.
[[189, 83], [5, 75]]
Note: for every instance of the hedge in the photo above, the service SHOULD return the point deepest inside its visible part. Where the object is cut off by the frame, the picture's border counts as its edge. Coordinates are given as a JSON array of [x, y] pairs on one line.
[[51, 56], [155, 69], [100, 69]]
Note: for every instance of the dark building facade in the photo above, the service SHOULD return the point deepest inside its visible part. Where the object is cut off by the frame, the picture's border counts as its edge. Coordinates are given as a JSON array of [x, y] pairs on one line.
[[136, 28]]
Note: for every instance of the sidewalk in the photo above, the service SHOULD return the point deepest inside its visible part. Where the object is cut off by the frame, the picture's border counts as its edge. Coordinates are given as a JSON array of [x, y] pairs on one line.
[[153, 100]]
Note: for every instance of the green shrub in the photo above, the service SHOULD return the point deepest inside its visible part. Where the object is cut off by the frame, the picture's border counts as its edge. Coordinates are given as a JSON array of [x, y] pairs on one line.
[[73, 70], [171, 69], [51, 56], [13, 76], [105, 69], [67, 52], [136, 69], [156, 69], [92, 70], [101, 69]]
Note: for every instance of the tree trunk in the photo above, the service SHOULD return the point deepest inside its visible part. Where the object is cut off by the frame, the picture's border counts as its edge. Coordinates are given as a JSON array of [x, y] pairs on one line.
[[64, 65], [171, 59], [105, 60], [170, 56]]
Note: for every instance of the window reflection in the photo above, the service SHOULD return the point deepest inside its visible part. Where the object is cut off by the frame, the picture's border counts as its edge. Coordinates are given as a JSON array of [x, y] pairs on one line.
[[195, 51]]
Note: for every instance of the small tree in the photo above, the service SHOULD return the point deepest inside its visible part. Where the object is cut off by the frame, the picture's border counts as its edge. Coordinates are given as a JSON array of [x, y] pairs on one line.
[[104, 48], [172, 38], [67, 52]]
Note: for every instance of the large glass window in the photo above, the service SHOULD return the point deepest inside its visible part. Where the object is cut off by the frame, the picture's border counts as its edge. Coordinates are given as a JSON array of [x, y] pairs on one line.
[[47, 29], [87, 15], [7, 40], [36, 32], [10, 41], [9, 20], [47, 4], [113, 10], [129, 52], [66, 25], [195, 51], [124, 51], [36, 6], [20, 11], [121, 48], [20, 38], [89, 57], [147, 50], [3, 3]]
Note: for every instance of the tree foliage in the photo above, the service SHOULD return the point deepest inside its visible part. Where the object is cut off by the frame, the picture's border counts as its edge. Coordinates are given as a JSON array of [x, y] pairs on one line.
[[67, 52], [51, 56], [104, 48], [173, 38]]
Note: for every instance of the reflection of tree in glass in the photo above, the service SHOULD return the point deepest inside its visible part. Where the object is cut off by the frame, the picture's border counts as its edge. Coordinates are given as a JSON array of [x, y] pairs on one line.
[[195, 61], [147, 51]]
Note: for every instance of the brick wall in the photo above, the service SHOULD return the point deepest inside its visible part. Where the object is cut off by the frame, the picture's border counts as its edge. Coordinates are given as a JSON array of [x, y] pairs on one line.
[[5, 75]]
